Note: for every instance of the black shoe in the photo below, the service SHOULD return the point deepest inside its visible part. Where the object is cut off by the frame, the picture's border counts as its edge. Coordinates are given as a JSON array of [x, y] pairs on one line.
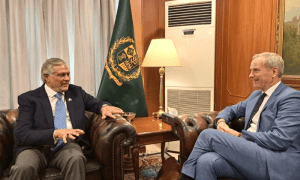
[[185, 177]]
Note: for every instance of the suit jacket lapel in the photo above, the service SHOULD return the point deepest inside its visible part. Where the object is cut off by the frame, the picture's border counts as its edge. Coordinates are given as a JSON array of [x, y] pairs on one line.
[[43, 98], [251, 105], [274, 95], [70, 106], [280, 87]]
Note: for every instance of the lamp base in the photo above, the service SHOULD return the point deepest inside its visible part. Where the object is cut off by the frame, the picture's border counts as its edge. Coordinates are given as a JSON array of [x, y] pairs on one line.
[[158, 114]]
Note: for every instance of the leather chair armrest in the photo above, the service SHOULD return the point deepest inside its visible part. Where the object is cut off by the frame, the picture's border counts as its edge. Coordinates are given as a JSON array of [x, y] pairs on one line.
[[110, 137], [187, 128], [7, 122], [237, 124]]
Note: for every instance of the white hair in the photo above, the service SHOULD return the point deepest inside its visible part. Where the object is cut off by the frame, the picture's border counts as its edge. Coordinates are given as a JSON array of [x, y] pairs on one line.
[[47, 67], [271, 60]]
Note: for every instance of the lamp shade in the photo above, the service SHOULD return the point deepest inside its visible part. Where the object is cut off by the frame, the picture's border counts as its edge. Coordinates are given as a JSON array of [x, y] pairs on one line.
[[161, 53]]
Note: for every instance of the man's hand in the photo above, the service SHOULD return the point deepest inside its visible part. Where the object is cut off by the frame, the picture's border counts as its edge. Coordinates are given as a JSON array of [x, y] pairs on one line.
[[222, 126], [109, 111], [67, 133]]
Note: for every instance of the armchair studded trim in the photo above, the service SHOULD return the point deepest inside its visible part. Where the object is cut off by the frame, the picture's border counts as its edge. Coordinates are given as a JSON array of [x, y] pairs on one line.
[[187, 128], [111, 136]]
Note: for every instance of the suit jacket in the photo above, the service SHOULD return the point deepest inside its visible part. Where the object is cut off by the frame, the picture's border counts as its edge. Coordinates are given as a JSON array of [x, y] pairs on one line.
[[278, 130], [35, 124]]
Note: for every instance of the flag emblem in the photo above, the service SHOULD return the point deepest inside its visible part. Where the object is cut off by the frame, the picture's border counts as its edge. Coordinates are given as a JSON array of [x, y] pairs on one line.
[[122, 83], [123, 61], [127, 58]]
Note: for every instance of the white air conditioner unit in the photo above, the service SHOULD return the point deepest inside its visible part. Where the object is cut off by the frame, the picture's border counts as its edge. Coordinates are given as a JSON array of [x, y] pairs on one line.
[[191, 25]]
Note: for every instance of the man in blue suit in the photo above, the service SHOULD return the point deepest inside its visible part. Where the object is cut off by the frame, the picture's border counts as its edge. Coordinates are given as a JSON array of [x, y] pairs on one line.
[[51, 125], [269, 145]]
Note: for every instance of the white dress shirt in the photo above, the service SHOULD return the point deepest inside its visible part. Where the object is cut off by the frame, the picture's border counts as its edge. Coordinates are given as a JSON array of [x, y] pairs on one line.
[[255, 119], [53, 99]]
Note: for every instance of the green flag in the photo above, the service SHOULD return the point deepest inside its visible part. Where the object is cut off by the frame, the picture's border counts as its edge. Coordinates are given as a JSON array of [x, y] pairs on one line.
[[121, 83]]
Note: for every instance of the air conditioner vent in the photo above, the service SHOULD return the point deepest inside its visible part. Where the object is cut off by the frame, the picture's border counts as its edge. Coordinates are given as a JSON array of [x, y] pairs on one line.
[[189, 101], [190, 14]]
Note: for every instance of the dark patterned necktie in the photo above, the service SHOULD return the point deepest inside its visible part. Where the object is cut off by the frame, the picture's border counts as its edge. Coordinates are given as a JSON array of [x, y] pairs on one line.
[[59, 119], [256, 107]]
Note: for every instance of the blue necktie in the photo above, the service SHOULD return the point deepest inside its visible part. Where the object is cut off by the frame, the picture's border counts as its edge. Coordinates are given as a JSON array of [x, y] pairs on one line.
[[59, 119], [256, 107]]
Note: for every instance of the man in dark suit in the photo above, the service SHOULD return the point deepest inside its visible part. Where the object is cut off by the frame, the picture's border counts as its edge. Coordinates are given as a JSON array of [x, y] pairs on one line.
[[269, 145], [51, 124]]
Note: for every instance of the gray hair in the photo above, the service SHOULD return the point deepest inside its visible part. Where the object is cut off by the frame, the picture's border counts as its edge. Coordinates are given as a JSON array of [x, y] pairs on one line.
[[271, 60], [47, 67]]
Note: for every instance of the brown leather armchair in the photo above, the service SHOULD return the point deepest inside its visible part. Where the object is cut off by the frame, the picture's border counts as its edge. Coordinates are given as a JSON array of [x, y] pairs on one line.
[[188, 127], [108, 138]]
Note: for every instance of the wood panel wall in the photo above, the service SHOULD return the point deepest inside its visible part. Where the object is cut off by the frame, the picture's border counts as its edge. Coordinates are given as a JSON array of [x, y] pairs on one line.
[[148, 19], [243, 28]]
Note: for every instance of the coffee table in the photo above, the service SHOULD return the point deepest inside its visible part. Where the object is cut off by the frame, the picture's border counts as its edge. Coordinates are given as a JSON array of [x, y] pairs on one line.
[[150, 130]]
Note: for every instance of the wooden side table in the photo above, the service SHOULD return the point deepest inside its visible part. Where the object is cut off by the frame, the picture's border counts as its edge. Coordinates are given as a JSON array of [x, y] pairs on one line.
[[150, 130]]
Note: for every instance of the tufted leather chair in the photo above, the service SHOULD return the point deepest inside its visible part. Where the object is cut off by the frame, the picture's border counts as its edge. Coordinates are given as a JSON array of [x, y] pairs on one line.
[[108, 139], [188, 127]]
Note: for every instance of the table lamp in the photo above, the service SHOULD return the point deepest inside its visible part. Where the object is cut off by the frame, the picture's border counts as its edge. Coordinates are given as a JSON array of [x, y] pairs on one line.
[[161, 53]]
